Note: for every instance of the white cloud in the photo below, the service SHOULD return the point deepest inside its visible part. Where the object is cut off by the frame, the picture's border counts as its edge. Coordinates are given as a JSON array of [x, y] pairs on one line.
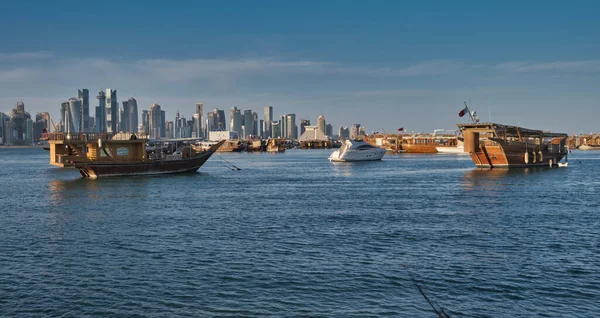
[[24, 56], [557, 66]]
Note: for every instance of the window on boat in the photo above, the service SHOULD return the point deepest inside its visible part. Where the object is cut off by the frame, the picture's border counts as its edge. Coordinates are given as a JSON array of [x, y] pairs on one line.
[[361, 147], [123, 151]]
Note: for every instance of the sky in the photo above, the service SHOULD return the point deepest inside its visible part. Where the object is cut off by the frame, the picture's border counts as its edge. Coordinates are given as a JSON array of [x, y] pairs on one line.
[[383, 64]]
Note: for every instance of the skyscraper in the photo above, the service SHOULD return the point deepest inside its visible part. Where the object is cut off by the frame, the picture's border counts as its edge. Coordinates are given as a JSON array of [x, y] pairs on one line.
[[255, 124], [235, 120], [248, 123], [200, 112], [321, 124], [124, 123], [84, 97], [354, 131], [216, 120], [328, 130], [132, 116], [267, 123], [292, 129], [145, 121], [112, 110], [75, 117], [155, 123], [344, 133], [101, 112], [20, 126]]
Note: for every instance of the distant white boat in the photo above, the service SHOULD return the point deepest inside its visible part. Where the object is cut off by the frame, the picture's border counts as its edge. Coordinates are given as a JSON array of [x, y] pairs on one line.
[[458, 149], [357, 150], [563, 164]]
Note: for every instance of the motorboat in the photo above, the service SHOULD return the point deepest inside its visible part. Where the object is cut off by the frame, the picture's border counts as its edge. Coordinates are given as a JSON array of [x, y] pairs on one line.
[[357, 150]]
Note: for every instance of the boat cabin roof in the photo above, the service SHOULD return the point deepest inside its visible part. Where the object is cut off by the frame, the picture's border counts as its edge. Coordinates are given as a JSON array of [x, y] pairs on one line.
[[500, 129]]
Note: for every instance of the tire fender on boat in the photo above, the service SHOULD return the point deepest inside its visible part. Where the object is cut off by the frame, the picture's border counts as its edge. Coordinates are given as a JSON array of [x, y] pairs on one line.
[[541, 156], [526, 157], [533, 153]]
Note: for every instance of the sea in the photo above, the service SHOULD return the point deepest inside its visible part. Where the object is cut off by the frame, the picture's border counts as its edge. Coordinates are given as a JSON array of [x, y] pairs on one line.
[[293, 235]]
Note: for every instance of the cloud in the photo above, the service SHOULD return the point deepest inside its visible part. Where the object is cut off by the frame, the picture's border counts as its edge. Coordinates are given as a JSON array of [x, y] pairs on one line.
[[182, 70], [588, 66], [19, 75], [24, 56]]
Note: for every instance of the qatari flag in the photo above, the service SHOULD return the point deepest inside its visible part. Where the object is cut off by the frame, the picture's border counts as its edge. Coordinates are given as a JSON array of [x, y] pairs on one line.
[[462, 112], [401, 129]]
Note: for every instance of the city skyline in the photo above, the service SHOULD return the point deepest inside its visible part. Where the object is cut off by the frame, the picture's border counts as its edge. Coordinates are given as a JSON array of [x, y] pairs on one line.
[[383, 64]]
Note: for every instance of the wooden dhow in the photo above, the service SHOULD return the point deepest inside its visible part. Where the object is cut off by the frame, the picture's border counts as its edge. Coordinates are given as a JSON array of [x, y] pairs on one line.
[[124, 154], [493, 145]]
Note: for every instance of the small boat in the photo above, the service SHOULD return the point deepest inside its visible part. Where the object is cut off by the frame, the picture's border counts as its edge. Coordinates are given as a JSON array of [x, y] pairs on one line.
[[589, 147], [276, 145], [357, 150]]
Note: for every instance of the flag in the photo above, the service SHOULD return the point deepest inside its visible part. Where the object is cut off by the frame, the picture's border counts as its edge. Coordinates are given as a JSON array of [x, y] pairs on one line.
[[401, 129], [463, 112]]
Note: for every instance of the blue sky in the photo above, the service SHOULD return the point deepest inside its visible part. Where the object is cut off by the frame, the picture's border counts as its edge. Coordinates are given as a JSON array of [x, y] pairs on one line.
[[384, 64]]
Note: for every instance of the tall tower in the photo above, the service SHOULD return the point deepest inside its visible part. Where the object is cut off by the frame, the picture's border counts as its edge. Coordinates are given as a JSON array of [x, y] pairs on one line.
[[132, 115], [101, 112], [200, 112], [84, 97], [235, 120], [248, 123], [321, 124], [112, 111], [145, 122], [155, 123], [267, 122], [75, 118], [292, 129]]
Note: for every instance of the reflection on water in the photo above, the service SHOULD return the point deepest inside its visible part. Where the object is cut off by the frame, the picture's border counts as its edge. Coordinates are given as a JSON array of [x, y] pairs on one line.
[[494, 179], [62, 191]]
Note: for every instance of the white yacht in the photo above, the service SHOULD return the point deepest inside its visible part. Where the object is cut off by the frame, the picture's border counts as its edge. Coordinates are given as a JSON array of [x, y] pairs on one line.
[[357, 150]]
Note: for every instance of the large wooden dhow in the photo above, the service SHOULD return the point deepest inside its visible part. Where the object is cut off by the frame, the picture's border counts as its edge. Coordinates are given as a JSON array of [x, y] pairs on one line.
[[125, 155], [494, 145]]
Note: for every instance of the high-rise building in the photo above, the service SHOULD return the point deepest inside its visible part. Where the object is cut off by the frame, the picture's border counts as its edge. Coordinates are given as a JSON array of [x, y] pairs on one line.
[[101, 112], [64, 106], [292, 129], [75, 117], [42, 122], [196, 131], [216, 120], [267, 121], [328, 130], [169, 129], [123, 124], [282, 127], [112, 111], [163, 123], [344, 133], [131, 115], [235, 120], [200, 112], [275, 129], [145, 122], [155, 121], [18, 130], [255, 124], [321, 124], [84, 97], [354, 131], [304, 123], [248, 123]]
